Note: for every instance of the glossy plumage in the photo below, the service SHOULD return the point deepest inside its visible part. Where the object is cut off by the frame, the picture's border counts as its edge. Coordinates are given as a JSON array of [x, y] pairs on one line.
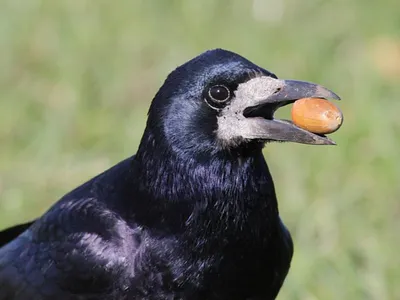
[[184, 218]]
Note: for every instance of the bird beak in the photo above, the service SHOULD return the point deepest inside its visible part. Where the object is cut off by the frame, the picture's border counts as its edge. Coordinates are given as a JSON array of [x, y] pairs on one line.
[[285, 92]]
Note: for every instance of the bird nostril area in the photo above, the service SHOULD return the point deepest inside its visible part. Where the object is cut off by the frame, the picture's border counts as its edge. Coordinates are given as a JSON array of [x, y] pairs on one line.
[[277, 90]]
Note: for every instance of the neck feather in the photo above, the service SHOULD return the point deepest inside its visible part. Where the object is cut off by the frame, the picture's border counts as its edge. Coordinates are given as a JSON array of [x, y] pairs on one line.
[[225, 191]]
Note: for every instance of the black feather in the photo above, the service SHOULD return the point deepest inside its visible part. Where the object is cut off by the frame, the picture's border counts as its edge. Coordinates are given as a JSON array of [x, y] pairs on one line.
[[11, 233], [182, 219]]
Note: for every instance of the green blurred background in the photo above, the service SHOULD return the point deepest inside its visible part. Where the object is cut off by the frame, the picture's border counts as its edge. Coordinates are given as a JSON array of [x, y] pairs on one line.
[[77, 77]]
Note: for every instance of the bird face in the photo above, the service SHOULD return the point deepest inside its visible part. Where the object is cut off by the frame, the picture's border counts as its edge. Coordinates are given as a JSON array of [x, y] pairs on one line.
[[220, 98]]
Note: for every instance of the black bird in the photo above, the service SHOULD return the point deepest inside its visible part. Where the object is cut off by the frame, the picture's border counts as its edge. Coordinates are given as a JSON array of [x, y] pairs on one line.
[[193, 215]]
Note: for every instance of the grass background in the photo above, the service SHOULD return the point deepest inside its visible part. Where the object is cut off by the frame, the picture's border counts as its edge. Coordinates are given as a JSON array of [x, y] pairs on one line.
[[77, 77]]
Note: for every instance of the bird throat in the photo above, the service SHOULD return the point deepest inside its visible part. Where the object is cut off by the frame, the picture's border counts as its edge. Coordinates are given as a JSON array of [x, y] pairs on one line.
[[215, 193]]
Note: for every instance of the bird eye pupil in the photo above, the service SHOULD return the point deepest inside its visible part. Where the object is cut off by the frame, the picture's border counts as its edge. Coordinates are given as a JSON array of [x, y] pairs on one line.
[[219, 93]]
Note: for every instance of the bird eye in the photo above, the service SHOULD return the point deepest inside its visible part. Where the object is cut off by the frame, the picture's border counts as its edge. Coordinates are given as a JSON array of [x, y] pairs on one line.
[[219, 93]]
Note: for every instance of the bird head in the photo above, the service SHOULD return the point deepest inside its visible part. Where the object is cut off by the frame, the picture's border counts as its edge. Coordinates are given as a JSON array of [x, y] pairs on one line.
[[220, 100]]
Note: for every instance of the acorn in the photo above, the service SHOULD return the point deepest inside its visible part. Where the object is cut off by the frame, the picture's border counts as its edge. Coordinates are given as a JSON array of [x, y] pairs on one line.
[[316, 115]]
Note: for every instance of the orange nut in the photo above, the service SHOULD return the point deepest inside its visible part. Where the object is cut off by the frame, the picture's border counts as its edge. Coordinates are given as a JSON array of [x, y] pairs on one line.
[[316, 115]]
